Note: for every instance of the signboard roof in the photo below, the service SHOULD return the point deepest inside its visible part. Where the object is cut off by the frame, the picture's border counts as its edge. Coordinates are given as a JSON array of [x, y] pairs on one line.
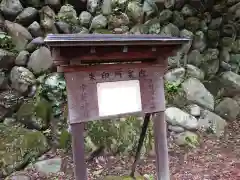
[[111, 39]]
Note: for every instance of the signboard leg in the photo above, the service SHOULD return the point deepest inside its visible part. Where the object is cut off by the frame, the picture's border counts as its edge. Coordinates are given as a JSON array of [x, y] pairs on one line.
[[80, 169], [160, 136]]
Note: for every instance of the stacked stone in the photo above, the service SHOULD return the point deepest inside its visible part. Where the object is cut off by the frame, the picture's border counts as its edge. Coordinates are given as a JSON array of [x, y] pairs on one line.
[[202, 82]]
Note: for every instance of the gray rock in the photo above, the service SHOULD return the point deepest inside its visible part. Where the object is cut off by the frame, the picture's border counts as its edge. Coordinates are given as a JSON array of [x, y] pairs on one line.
[[210, 68], [92, 5], [199, 41], [21, 79], [85, 18], [227, 43], [9, 121], [225, 66], [176, 116], [3, 79], [3, 113], [236, 46], [187, 138], [68, 14], [27, 16], [19, 146], [192, 24], [6, 59], [194, 110], [22, 58], [32, 46], [121, 4], [117, 21], [40, 60], [34, 3], [169, 3], [178, 19], [35, 29], [186, 34], [193, 71], [84, 31], [210, 63], [63, 27], [11, 8], [49, 166], [195, 58], [20, 35], [213, 37], [19, 176], [55, 4], [177, 129], [34, 114], [237, 99], [235, 59], [10, 99], [210, 54], [150, 8], [47, 20], [134, 11], [228, 109], [224, 55], [231, 80], [215, 23], [170, 30], [106, 7], [197, 93], [99, 22], [210, 121], [188, 10], [175, 76], [153, 26], [165, 16]]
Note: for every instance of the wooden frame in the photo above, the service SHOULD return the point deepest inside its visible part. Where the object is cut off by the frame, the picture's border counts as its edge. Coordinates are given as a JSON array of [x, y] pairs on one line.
[[90, 59]]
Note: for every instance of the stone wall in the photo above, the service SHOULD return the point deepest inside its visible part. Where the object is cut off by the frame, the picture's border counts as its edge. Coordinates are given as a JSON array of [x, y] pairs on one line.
[[202, 83]]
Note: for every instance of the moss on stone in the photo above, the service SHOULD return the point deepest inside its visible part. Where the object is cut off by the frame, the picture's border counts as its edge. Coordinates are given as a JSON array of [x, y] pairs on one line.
[[18, 146], [37, 114]]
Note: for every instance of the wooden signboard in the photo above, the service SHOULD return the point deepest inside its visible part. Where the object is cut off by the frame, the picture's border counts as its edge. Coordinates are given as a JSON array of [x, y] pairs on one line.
[[111, 76]]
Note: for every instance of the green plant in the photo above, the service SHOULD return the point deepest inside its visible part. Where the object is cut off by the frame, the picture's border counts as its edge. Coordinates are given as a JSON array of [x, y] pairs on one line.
[[6, 42], [171, 90], [192, 141]]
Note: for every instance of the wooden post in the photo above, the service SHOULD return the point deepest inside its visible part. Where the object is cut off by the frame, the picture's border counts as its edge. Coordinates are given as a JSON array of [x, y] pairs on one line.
[[80, 169], [161, 147]]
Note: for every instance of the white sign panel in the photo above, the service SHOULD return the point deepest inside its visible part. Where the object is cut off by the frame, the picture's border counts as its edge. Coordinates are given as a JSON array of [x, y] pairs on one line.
[[119, 97]]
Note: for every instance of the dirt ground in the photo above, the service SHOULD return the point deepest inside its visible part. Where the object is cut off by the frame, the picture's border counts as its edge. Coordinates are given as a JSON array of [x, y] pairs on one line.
[[212, 160]]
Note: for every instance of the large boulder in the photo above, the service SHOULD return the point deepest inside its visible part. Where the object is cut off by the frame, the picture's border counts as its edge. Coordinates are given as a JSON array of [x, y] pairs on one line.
[[228, 108], [9, 101], [176, 116], [35, 29], [35, 114], [40, 60], [187, 138], [230, 82], [27, 16], [20, 35], [34, 3], [196, 92], [21, 78], [47, 20], [175, 76], [6, 59], [11, 8], [210, 121], [68, 14], [18, 147]]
